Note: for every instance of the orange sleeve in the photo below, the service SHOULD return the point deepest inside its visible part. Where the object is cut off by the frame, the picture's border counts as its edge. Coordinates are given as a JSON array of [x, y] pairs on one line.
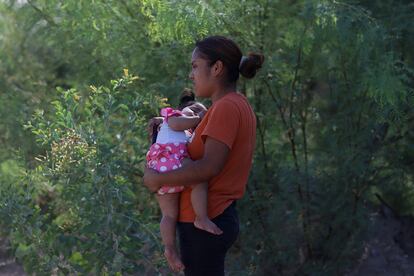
[[223, 123]]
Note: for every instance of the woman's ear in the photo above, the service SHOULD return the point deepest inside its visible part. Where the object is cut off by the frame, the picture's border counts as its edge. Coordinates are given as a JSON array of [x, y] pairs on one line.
[[217, 69]]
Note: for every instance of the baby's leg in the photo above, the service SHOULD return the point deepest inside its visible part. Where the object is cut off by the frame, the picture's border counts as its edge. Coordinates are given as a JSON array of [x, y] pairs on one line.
[[199, 202], [169, 208]]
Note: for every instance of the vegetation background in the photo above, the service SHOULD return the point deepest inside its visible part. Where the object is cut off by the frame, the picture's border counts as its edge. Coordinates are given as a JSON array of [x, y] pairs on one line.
[[79, 80]]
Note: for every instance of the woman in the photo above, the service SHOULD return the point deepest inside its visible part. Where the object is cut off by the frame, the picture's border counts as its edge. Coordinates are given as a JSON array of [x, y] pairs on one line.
[[221, 149]]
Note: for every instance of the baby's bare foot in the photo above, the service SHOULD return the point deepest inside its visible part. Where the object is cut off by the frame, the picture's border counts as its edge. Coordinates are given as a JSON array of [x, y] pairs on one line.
[[207, 225], [173, 259]]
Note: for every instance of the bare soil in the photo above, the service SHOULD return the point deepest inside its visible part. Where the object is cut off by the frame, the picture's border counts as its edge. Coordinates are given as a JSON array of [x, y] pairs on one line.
[[390, 249]]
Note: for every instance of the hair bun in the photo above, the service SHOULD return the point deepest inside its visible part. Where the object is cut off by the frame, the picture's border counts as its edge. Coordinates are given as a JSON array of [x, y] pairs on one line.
[[187, 97], [250, 64]]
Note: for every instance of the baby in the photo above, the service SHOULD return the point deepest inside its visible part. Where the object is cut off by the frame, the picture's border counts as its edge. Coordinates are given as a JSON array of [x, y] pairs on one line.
[[168, 153]]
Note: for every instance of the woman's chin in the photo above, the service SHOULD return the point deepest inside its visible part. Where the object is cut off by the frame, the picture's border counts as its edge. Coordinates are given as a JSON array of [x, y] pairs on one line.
[[199, 94]]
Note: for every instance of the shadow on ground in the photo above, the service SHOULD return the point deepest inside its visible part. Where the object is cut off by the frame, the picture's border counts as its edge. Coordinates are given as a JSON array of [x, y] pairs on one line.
[[390, 249]]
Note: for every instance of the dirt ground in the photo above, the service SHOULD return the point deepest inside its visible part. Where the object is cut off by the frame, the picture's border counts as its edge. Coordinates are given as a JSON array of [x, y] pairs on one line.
[[390, 250]]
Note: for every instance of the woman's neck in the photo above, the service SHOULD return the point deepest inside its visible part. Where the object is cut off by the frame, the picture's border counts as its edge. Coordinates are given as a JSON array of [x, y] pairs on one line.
[[223, 91]]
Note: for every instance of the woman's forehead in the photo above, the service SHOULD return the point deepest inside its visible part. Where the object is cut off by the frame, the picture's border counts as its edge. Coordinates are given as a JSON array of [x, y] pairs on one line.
[[196, 56]]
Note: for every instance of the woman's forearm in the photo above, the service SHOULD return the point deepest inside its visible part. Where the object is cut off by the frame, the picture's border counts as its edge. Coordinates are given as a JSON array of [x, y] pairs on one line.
[[183, 122], [191, 173], [215, 156]]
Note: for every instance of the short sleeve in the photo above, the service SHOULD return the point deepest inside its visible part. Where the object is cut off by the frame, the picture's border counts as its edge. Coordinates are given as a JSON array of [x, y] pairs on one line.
[[223, 123]]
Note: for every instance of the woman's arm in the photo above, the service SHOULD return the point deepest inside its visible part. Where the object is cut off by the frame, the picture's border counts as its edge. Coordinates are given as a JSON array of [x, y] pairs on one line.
[[215, 156], [183, 122]]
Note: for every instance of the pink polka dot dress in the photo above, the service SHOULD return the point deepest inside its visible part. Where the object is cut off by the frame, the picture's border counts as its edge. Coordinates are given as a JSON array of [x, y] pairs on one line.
[[169, 150]]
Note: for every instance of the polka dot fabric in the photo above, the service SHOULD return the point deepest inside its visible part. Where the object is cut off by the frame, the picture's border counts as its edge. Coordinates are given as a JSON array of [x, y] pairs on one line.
[[167, 157]]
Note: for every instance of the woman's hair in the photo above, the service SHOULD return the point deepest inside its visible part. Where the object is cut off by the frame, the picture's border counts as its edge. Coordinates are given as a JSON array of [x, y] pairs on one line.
[[187, 98], [214, 48]]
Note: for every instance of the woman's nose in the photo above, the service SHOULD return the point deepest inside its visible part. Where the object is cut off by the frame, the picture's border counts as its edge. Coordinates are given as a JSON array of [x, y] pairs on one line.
[[191, 76]]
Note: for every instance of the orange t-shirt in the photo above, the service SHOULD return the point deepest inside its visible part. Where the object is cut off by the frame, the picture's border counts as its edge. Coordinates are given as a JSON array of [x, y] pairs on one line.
[[231, 121]]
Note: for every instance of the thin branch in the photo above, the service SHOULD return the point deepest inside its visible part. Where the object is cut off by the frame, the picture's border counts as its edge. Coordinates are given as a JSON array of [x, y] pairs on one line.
[[44, 15]]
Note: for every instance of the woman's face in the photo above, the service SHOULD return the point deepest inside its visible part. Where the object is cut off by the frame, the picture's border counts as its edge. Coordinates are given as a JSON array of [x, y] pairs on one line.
[[201, 75]]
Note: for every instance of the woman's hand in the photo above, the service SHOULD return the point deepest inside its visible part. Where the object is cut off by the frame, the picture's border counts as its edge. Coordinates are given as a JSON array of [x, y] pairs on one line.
[[151, 179], [199, 109], [201, 114]]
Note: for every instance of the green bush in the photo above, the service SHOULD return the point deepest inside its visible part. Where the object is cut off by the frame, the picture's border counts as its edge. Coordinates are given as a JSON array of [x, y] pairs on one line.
[[84, 207], [334, 106]]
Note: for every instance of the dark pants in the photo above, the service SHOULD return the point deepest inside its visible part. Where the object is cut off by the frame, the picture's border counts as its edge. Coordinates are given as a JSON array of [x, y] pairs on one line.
[[203, 253]]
